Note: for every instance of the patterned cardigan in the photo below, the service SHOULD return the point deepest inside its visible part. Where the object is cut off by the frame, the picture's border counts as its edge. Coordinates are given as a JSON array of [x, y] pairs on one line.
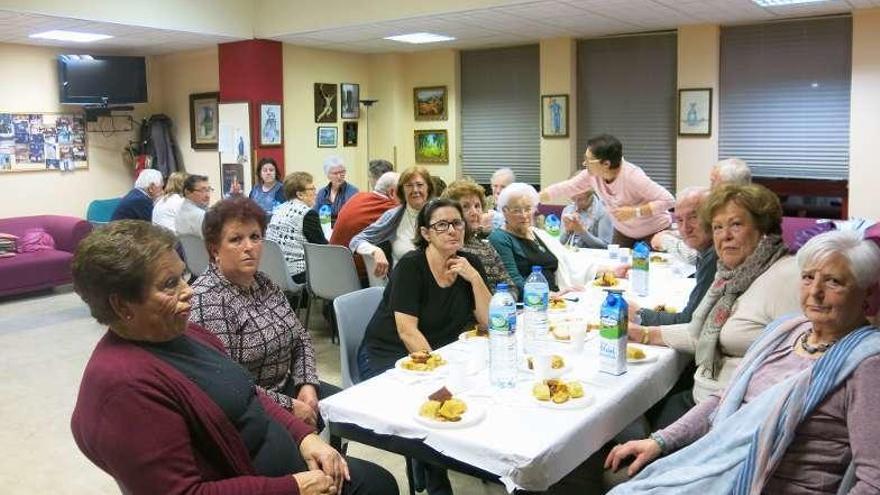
[[258, 328], [495, 270]]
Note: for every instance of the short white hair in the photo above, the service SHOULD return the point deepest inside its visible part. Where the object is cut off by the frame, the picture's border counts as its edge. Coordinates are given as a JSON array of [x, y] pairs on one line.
[[518, 190], [147, 178], [693, 193], [734, 171], [386, 181], [331, 162], [862, 255], [504, 173]]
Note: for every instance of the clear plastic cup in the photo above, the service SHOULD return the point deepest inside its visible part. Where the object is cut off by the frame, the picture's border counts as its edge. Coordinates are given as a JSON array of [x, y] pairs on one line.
[[613, 251]]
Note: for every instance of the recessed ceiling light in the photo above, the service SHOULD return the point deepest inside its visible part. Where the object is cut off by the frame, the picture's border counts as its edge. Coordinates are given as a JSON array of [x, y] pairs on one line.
[[783, 3], [419, 38], [70, 36]]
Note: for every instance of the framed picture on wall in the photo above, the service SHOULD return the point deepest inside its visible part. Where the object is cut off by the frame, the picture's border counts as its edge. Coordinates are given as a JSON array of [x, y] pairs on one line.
[[235, 143], [233, 178], [349, 134], [554, 116], [325, 102], [270, 124], [327, 137], [695, 112], [432, 146], [430, 103], [203, 121], [350, 97]]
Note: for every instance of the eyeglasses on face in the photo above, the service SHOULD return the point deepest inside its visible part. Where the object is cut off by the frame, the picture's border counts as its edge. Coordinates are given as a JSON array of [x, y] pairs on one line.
[[526, 210], [415, 185], [443, 225], [205, 189]]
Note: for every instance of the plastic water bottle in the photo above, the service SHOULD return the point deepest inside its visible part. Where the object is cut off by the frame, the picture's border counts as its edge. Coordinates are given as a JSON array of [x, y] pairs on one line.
[[324, 214], [612, 334], [552, 225], [536, 295], [502, 338], [638, 274]]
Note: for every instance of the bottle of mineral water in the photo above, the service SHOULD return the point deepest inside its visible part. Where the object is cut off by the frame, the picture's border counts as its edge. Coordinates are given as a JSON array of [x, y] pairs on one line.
[[324, 216], [536, 295], [502, 338], [638, 274]]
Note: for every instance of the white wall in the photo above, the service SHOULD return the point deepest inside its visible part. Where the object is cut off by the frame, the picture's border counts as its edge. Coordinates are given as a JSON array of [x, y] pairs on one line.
[[864, 173]]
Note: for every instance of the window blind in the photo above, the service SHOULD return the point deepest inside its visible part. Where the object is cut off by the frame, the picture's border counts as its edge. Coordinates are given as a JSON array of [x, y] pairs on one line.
[[500, 113], [785, 97], [627, 88]]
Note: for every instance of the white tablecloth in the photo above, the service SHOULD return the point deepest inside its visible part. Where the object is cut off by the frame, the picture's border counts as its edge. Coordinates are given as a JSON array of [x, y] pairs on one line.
[[527, 445]]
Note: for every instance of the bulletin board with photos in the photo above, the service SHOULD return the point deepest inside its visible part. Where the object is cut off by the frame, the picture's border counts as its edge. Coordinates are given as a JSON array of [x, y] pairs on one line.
[[42, 141]]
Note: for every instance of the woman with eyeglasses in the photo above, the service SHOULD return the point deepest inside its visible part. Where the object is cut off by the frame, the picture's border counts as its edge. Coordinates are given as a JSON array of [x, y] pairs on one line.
[[337, 191], [391, 236], [435, 293], [295, 222]]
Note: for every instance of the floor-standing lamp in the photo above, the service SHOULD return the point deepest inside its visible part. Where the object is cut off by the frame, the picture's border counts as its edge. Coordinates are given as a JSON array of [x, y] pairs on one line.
[[367, 104]]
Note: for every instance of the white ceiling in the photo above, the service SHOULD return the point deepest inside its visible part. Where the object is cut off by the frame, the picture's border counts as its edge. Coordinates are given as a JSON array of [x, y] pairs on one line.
[[511, 24], [129, 40], [530, 21]]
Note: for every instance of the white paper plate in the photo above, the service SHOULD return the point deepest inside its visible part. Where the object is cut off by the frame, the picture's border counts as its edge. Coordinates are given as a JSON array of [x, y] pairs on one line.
[[399, 366], [474, 414], [578, 403], [650, 355]]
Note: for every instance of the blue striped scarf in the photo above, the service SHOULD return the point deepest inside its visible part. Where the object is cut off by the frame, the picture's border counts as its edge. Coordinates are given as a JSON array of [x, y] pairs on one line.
[[743, 447]]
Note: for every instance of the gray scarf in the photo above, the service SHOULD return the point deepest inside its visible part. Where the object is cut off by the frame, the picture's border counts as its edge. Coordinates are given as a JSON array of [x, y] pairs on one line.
[[729, 284]]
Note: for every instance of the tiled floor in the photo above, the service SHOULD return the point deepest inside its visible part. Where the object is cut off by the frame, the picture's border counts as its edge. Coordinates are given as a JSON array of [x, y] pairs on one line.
[[45, 341]]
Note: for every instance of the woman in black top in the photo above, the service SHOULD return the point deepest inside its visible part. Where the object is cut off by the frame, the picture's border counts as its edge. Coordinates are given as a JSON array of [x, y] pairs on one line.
[[435, 292]]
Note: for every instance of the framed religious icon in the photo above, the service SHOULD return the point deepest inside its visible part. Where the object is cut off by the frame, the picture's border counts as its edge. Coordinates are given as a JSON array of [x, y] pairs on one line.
[[270, 124], [554, 116]]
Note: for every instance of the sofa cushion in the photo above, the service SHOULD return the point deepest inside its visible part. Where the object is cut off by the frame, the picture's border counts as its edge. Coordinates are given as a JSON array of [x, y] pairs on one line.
[[32, 271]]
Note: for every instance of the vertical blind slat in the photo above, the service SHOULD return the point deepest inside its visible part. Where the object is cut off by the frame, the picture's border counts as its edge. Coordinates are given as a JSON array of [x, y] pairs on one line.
[[785, 97], [500, 113], [627, 87]]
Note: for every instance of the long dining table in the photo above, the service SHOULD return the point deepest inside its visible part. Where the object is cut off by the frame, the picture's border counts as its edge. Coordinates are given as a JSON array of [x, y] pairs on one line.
[[507, 434]]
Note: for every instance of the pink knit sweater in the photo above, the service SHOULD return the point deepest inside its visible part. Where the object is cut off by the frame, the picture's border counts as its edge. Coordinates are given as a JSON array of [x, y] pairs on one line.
[[632, 187]]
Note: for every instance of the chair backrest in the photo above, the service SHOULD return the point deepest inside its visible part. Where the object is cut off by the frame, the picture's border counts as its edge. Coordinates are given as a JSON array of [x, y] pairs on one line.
[[330, 270], [101, 210], [370, 265], [197, 258], [273, 264], [353, 312]]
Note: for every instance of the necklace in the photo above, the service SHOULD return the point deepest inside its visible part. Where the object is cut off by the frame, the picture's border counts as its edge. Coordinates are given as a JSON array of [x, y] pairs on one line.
[[814, 349]]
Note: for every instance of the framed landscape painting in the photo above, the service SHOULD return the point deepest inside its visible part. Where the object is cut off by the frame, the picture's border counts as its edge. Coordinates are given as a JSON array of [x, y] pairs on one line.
[[327, 137], [432, 146], [430, 103]]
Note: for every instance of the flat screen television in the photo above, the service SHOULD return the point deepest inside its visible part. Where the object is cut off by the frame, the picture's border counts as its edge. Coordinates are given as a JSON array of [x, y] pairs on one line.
[[97, 79]]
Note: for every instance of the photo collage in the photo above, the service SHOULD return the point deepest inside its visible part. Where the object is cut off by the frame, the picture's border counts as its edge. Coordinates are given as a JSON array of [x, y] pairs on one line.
[[30, 142]]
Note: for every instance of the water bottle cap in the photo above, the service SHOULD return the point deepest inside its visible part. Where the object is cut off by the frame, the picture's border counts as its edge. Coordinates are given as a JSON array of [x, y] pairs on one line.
[[536, 268], [501, 287]]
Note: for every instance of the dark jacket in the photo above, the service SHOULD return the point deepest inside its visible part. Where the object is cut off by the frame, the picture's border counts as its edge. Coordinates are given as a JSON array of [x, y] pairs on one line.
[[707, 262], [135, 205]]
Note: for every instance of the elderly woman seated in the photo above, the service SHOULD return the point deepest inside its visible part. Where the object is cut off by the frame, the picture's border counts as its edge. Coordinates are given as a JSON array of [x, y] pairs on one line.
[[294, 223], [395, 230], [338, 191], [752, 288], [472, 199], [162, 408], [251, 315], [522, 246], [801, 406]]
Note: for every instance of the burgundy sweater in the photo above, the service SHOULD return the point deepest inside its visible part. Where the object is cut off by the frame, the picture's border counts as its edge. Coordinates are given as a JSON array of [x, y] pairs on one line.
[[155, 431]]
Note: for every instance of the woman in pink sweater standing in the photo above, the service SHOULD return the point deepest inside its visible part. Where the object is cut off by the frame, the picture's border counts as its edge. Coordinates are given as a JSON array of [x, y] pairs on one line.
[[638, 205]]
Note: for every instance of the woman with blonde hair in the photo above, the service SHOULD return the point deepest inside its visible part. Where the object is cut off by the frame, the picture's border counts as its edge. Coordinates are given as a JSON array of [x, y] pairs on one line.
[[166, 207]]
